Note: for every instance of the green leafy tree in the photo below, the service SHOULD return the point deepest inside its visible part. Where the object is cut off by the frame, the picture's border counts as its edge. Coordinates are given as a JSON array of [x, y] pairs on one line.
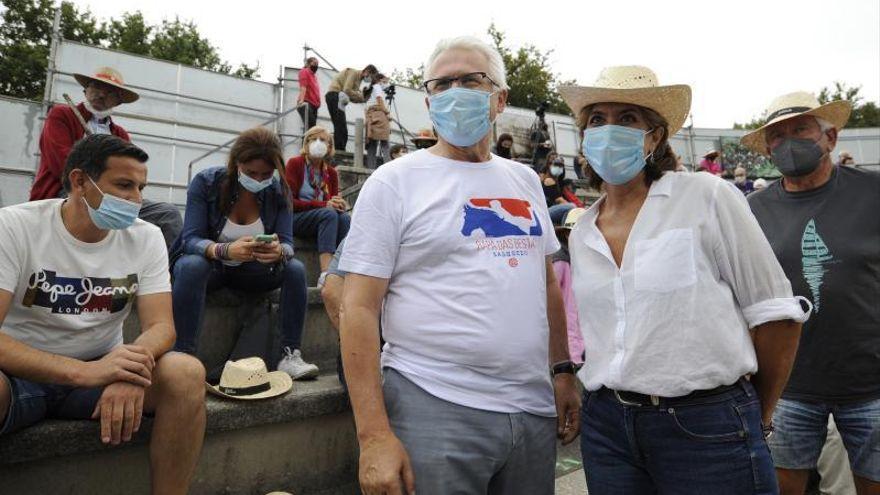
[[529, 75], [26, 35], [409, 77]]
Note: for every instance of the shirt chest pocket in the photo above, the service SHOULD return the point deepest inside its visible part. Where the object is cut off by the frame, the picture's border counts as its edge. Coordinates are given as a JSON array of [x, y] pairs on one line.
[[666, 262]]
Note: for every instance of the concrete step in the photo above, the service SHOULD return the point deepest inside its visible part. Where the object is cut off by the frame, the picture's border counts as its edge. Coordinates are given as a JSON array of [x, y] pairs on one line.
[[228, 313], [302, 442]]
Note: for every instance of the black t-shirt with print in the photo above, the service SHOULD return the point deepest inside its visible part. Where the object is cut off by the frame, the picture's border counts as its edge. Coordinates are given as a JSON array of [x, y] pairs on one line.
[[828, 243]]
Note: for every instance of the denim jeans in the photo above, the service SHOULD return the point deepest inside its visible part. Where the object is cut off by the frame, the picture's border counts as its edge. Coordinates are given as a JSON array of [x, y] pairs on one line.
[[32, 402], [326, 224], [712, 445], [558, 212], [801, 429], [195, 276]]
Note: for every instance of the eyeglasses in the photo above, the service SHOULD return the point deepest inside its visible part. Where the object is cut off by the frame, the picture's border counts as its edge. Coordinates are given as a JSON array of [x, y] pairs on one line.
[[473, 80]]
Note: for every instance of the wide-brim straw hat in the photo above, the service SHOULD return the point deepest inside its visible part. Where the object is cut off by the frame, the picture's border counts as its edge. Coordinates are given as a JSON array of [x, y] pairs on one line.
[[635, 85], [424, 135], [791, 105], [248, 379], [111, 77]]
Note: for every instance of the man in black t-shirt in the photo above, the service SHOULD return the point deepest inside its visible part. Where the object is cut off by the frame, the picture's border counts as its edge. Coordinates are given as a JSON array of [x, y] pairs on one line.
[[823, 222]]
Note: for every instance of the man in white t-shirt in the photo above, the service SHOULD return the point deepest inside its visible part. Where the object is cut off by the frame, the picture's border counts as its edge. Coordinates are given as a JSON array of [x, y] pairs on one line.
[[69, 273], [451, 245]]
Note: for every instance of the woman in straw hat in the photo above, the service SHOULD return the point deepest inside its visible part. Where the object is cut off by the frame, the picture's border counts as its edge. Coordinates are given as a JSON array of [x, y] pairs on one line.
[[670, 272]]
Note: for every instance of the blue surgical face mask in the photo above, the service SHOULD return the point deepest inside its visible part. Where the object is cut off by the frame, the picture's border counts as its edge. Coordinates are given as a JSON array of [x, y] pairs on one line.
[[113, 213], [460, 115], [615, 152], [251, 184]]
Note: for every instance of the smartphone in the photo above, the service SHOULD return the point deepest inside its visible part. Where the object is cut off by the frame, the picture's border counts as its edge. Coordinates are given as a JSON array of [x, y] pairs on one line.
[[266, 238]]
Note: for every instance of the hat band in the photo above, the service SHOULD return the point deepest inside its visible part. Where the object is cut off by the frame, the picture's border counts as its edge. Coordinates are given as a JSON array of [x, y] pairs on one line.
[[242, 391], [786, 111]]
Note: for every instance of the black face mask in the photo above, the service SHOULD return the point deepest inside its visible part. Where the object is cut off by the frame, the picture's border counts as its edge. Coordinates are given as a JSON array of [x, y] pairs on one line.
[[313, 68], [796, 157]]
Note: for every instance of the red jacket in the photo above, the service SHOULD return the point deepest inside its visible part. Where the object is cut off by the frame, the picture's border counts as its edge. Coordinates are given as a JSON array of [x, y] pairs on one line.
[[295, 172], [60, 132], [308, 83]]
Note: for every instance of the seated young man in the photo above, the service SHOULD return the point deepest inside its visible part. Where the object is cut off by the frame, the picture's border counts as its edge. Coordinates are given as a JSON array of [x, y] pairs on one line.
[[69, 272]]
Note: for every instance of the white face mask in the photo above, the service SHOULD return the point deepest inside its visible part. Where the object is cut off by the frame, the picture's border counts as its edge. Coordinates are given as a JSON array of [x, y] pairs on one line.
[[100, 115], [317, 148], [556, 170]]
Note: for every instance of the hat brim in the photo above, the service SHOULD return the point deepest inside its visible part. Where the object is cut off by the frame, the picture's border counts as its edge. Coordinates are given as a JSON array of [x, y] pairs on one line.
[[279, 384], [128, 96], [835, 112], [673, 103]]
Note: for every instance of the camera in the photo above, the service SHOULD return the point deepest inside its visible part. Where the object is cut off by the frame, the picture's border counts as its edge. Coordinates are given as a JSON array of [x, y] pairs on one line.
[[542, 109], [390, 91]]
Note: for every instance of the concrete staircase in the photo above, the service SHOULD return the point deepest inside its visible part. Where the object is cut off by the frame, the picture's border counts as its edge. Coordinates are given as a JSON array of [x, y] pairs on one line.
[[303, 442]]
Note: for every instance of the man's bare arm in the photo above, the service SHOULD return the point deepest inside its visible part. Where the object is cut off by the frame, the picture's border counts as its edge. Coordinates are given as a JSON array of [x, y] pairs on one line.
[[776, 344], [157, 323]]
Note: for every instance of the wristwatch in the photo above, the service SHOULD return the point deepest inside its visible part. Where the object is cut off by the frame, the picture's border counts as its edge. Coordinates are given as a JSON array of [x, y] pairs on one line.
[[562, 367], [767, 430]]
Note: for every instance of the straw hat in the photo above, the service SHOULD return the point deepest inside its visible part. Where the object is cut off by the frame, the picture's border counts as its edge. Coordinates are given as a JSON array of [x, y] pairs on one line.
[[248, 379], [636, 85], [791, 105], [424, 135], [571, 218], [711, 152], [111, 77]]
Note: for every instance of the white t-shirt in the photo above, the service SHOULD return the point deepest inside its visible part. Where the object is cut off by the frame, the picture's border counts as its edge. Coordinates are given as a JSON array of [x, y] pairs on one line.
[[71, 297], [463, 246]]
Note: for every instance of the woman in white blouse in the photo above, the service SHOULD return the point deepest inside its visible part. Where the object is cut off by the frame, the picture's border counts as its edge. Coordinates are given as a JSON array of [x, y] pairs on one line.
[[671, 272]]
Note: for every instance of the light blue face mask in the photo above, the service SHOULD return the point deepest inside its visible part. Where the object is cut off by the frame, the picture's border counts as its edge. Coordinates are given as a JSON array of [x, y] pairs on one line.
[[113, 213], [460, 115], [252, 184], [615, 152]]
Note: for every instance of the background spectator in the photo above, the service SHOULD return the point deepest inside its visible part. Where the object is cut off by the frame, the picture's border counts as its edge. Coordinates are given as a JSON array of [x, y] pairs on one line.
[[741, 181], [398, 150], [539, 137], [347, 86], [712, 163], [309, 99], [378, 123], [424, 139], [504, 146], [562, 267], [551, 181], [103, 91], [229, 211], [318, 210]]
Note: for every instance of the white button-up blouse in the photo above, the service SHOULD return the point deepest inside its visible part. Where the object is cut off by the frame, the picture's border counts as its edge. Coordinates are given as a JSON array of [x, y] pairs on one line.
[[697, 273]]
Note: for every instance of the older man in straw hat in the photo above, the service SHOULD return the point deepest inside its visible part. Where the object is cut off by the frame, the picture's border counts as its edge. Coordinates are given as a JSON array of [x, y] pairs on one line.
[[821, 220], [671, 271], [65, 125], [452, 244]]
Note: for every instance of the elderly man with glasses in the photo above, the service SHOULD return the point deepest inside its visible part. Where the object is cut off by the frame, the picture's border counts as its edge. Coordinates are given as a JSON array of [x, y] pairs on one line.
[[451, 244]]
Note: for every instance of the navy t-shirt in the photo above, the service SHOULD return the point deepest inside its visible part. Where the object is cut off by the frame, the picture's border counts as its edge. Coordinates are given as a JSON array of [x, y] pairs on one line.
[[828, 243]]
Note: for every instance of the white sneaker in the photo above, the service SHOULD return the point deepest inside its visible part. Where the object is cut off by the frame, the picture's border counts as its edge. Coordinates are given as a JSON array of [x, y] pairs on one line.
[[292, 363]]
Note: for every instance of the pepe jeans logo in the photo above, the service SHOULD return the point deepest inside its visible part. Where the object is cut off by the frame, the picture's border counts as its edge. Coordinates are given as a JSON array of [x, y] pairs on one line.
[[79, 295]]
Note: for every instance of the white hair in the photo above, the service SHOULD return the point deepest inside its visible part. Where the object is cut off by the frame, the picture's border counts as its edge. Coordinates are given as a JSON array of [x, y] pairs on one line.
[[824, 125], [495, 71]]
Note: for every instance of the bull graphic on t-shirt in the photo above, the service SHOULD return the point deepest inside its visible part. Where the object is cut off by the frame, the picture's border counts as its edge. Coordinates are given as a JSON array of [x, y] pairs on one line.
[[500, 217], [79, 295]]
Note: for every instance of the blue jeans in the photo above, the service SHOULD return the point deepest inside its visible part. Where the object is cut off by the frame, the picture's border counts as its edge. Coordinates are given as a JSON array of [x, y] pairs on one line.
[[32, 402], [326, 224], [195, 276], [558, 212], [711, 445], [801, 428]]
